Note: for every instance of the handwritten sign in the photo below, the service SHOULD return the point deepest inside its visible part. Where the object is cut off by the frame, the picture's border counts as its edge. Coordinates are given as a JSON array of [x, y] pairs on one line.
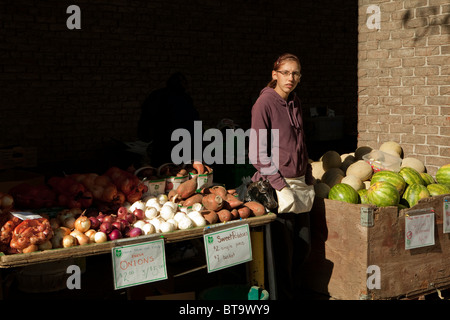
[[227, 247], [140, 263], [419, 230], [446, 212]]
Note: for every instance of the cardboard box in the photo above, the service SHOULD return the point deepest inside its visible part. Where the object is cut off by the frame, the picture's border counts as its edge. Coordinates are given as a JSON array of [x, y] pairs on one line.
[[347, 247], [12, 177]]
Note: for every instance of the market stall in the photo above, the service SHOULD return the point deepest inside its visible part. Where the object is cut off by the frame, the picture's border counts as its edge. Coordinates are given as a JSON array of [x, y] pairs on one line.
[[143, 210]]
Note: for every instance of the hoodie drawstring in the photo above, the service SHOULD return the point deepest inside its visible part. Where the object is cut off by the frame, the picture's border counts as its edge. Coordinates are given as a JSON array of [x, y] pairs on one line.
[[292, 118]]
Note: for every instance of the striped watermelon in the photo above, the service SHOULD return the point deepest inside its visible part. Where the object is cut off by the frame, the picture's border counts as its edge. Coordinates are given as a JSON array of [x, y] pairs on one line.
[[363, 196], [427, 178], [343, 192], [392, 177], [436, 189], [443, 175], [413, 193], [383, 194], [411, 176]]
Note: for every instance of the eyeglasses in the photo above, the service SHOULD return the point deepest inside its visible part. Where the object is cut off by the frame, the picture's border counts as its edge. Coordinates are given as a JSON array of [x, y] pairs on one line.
[[295, 74]]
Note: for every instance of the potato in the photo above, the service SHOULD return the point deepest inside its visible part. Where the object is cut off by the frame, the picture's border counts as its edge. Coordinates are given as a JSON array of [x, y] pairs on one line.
[[244, 212], [224, 215], [212, 202], [256, 208], [187, 188], [231, 202], [210, 216], [196, 198]]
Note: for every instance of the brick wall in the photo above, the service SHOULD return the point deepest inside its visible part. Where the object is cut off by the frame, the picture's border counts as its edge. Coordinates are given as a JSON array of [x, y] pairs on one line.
[[70, 92], [404, 78]]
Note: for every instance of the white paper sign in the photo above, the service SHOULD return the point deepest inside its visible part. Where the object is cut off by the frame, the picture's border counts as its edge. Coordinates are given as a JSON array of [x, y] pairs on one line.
[[25, 215], [446, 212], [419, 230], [140, 263], [228, 247]]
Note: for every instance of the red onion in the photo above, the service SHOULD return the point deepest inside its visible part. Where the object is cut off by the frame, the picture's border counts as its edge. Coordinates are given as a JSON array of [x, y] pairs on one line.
[[106, 227], [117, 225], [95, 223], [139, 214], [131, 218], [122, 212], [109, 218], [115, 234], [135, 232]]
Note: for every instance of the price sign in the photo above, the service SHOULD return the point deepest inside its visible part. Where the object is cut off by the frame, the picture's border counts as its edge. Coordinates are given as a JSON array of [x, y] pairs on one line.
[[419, 230], [446, 212], [137, 264], [227, 247]]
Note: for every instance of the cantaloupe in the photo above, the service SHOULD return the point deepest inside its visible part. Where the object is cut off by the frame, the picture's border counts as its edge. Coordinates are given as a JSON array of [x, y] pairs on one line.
[[317, 169], [331, 159], [360, 169], [360, 151], [332, 176], [392, 148], [354, 182], [347, 160], [413, 163]]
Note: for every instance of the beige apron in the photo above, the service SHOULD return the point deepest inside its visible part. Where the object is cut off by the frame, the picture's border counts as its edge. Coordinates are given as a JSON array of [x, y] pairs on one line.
[[297, 197]]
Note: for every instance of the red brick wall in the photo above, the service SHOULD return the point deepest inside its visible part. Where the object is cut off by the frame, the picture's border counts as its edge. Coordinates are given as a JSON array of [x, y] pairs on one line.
[[69, 92], [404, 78]]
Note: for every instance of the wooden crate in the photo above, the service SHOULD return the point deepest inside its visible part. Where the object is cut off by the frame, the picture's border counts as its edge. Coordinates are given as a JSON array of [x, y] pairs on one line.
[[343, 248]]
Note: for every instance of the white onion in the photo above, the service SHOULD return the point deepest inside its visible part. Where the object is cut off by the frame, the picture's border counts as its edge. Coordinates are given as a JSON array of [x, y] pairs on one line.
[[137, 205], [139, 224], [162, 198], [185, 223], [174, 222], [197, 206], [167, 212], [171, 204], [166, 226], [197, 218], [100, 237], [148, 228], [179, 215], [150, 212]]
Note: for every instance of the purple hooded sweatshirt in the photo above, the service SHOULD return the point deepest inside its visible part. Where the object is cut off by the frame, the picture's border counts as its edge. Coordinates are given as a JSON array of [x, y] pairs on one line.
[[269, 112]]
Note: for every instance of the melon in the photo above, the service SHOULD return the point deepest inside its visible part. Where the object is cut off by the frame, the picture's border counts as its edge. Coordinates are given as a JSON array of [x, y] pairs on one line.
[[427, 178], [333, 176], [363, 196], [317, 169], [443, 175], [393, 177], [361, 151], [347, 160], [354, 182], [392, 148], [436, 189], [411, 176], [413, 193], [360, 169], [413, 163], [331, 159], [321, 189], [343, 192], [383, 194]]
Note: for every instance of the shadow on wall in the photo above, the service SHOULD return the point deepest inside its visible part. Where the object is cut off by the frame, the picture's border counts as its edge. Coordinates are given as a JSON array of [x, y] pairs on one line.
[[432, 21]]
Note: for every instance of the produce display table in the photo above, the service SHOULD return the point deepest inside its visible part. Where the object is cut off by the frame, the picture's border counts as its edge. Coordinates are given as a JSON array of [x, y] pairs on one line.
[[25, 259]]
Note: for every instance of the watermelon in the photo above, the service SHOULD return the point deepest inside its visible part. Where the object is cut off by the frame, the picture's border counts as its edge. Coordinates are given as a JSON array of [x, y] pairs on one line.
[[363, 196], [343, 192], [392, 177], [383, 194], [443, 175], [411, 176], [427, 178], [436, 189], [413, 193]]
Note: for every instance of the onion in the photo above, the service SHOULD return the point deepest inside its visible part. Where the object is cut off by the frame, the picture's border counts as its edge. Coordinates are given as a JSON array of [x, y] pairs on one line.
[[122, 212], [91, 235], [150, 212], [197, 218], [171, 204], [139, 213], [47, 245], [69, 241], [7, 201], [162, 198], [179, 215], [81, 237], [135, 232], [82, 223], [166, 226], [95, 223], [197, 206], [109, 218], [137, 205], [139, 224], [106, 227], [167, 212], [100, 237], [117, 225], [148, 228], [69, 223], [115, 234], [185, 223]]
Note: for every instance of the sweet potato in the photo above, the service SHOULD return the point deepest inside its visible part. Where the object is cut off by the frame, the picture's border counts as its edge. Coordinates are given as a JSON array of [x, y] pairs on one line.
[[244, 212], [224, 215], [212, 202], [199, 167], [210, 216], [256, 208], [195, 198], [234, 214], [217, 190], [187, 188], [231, 202]]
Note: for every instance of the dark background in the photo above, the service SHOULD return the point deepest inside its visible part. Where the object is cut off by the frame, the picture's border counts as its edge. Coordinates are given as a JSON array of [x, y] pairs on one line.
[[72, 93]]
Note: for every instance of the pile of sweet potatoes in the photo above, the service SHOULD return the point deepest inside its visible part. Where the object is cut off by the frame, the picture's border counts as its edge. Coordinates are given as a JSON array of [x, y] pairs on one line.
[[218, 203]]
